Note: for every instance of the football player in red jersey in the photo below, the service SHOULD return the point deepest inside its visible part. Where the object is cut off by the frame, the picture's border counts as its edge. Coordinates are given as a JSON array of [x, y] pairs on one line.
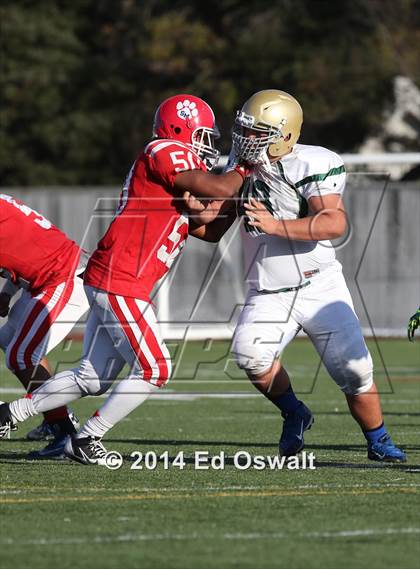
[[142, 242], [47, 430], [42, 260]]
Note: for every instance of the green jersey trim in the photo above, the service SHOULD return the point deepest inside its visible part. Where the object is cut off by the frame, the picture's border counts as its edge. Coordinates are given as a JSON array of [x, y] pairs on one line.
[[304, 208], [320, 177], [258, 189]]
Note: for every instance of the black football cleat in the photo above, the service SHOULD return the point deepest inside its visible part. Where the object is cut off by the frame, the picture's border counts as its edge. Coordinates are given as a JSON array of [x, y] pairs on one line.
[[86, 450], [6, 422]]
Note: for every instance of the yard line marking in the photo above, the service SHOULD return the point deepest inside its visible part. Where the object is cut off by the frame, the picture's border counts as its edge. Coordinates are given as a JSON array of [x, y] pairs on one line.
[[164, 396], [127, 538], [13, 489], [224, 494], [325, 534], [171, 396]]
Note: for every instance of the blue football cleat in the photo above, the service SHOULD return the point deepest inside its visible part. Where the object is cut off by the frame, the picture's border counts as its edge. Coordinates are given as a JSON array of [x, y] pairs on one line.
[[384, 450], [295, 424], [45, 431], [53, 450]]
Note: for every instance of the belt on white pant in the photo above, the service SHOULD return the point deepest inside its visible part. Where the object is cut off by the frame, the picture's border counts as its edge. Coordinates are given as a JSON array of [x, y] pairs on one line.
[[288, 289]]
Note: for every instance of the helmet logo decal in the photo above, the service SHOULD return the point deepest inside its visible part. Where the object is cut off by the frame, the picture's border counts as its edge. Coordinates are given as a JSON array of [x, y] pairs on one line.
[[186, 109], [245, 120]]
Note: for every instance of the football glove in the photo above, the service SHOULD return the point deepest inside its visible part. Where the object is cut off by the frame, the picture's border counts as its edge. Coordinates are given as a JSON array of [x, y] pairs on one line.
[[413, 324]]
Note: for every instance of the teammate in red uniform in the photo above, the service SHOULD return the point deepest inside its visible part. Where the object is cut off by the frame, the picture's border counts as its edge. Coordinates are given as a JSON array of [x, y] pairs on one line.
[[42, 259], [47, 430], [146, 235]]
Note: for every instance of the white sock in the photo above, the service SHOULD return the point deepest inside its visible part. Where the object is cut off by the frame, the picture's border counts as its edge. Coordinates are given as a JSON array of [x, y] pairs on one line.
[[96, 426], [22, 409], [55, 392], [127, 395]]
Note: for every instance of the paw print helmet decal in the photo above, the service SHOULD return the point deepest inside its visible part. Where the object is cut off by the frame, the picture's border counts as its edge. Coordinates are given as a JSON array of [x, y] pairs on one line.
[[191, 120], [187, 109]]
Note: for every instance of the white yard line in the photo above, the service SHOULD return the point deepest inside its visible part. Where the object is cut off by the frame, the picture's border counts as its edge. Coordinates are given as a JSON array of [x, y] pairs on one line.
[[167, 395], [54, 489], [170, 395], [133, 538], [325, 534]]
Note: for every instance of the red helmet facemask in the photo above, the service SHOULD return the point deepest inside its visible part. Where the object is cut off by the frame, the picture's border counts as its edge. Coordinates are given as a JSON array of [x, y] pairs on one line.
[[190, 120]]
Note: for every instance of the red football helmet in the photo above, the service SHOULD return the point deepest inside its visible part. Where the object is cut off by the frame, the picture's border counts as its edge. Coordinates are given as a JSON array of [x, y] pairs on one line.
[[190, 120]]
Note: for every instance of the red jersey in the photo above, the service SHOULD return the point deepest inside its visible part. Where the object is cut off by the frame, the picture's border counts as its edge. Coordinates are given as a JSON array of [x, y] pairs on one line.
[[149, 229], [32, 248]]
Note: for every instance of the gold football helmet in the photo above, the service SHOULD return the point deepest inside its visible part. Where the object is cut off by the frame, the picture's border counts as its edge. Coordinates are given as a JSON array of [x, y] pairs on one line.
[[269, 121]]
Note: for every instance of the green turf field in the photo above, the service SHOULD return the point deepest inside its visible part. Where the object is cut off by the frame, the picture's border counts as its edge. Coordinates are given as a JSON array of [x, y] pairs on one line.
[[347, 513]]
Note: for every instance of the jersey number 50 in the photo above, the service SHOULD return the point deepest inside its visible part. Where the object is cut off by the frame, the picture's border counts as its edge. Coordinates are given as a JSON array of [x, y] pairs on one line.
[[178, 157]]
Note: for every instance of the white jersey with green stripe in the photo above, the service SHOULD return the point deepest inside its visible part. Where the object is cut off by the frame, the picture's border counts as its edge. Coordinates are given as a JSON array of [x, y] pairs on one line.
[[285, 186]]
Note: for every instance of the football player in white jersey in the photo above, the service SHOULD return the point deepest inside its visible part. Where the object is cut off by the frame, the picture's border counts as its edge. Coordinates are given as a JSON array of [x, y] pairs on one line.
[[292, 206]]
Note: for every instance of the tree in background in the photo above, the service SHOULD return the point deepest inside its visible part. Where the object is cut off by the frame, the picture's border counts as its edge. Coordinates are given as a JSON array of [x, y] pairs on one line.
[[80, 79]]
